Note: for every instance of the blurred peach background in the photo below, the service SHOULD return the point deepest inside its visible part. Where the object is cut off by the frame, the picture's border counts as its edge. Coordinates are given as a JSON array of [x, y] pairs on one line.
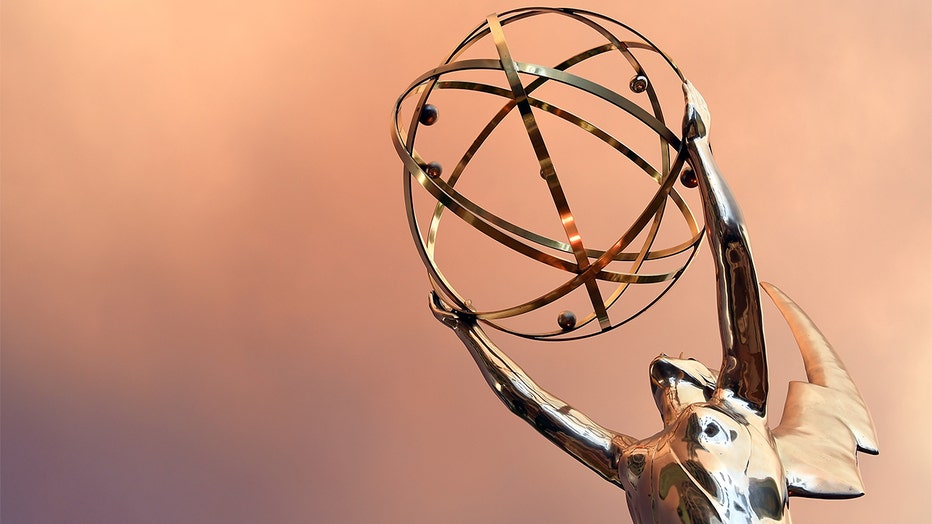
[[213, 311]]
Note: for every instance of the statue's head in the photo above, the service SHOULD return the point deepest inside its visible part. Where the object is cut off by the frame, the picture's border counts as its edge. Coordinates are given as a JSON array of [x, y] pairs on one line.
[[677, 383]]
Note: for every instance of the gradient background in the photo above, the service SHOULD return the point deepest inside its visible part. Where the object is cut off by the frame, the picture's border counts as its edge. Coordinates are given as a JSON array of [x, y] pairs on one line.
[[212, 310]]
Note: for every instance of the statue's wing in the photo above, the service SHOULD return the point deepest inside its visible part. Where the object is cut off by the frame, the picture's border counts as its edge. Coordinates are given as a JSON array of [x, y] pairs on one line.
[[825, 421]]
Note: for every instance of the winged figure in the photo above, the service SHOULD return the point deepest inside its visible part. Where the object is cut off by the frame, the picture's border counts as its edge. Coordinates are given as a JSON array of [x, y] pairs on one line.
[[716, 460]]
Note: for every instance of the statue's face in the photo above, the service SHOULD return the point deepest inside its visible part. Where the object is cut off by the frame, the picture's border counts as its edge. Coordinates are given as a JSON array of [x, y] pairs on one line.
[[677, 383]]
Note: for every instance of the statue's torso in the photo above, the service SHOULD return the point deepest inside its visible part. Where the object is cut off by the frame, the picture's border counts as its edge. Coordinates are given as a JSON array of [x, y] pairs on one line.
[[710, 465]]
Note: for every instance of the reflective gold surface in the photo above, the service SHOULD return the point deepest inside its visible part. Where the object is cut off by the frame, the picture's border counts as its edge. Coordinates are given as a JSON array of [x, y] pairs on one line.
[[588, 265], [716, 460]]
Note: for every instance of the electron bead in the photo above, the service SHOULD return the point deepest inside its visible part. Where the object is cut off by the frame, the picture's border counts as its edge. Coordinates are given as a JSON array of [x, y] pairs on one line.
[[566, 320], [688, 178], [433, 169], [638, 84], [429, 115]]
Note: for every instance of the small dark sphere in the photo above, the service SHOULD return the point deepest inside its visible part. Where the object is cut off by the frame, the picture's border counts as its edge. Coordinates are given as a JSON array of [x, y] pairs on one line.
[[688, 178], [566, 320], [434, 169], [638, 84], [429, 115]]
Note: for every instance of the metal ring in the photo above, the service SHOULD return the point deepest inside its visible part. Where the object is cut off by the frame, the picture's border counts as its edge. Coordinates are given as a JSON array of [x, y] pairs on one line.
[[586, 264]]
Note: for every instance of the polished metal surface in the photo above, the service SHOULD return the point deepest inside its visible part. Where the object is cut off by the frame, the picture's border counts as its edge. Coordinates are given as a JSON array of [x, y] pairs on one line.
[[716, 460], [744, 364], [585, 265]]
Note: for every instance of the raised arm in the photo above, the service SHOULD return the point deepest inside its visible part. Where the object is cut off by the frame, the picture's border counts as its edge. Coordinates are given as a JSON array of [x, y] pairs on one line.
[[744, 363], [595, 446]]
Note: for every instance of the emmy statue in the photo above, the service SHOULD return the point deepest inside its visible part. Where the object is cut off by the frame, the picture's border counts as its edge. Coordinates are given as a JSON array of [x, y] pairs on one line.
[[716, 459]]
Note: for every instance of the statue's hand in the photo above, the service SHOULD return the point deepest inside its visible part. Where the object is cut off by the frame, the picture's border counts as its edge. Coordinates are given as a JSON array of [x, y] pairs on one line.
[[445, 314], [697, 120]]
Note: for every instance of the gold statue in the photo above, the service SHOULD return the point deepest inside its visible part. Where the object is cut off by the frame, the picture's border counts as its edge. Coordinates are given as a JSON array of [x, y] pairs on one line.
[[716, 460]]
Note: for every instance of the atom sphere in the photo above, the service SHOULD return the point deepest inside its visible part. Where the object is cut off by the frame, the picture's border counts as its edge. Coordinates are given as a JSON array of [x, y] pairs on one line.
[[521, 95], [429, 115], [566, 320], [638, 84]]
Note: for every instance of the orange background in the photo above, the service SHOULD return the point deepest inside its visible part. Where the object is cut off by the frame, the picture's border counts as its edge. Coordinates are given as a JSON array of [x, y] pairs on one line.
[[213, 312]]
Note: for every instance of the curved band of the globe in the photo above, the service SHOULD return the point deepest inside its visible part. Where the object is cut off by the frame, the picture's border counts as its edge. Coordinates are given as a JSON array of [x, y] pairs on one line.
[[520, 239]]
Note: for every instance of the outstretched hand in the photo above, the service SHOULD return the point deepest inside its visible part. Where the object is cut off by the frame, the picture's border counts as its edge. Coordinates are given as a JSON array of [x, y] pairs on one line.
[[697, 120], [445, 314]]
